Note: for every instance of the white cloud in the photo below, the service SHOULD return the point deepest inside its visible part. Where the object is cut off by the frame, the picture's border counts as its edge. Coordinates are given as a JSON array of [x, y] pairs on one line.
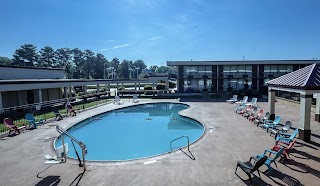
[[115, 47], [153, 38]]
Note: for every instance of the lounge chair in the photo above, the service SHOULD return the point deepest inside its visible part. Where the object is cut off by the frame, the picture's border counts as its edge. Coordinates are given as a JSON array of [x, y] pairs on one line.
[[249, 168], [245, 110], [255, 117], [13, 128], [286, 127], [57, 113], [271, 160], [61, 157], [135, 98], [285, 152], [268, 124], [117, 100], [34, 121], [233, 99], [239, 108], [261, 120], [244, 100], [286, 137], [70, 109], [250, 113], [253, 102]]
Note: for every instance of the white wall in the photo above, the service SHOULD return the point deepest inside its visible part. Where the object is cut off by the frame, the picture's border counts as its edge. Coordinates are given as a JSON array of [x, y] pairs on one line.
[[7, 73]]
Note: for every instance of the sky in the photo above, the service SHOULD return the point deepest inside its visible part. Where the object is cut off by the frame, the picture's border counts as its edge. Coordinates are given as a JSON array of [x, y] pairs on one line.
[[157, 31]]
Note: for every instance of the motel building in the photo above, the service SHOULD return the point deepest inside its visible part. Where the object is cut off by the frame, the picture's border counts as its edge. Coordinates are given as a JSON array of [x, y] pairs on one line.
[[32, 85], [218, 76]]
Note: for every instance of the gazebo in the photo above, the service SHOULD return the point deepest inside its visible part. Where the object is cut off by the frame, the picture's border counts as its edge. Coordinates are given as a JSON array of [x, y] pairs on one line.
[[306, 82]]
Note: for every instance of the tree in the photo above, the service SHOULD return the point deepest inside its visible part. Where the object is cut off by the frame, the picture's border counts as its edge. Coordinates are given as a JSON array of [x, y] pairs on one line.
[[78, 61], [123, 69], [64, 60], [47, 57], [5, 61], [154, 68], [100, 62], [88, 57], [26, 55], [140, 64]]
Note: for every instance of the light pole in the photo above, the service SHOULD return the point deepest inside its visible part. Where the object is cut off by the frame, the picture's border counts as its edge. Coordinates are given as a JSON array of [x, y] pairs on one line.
[[111, 68], [130, 70], [137, 68]]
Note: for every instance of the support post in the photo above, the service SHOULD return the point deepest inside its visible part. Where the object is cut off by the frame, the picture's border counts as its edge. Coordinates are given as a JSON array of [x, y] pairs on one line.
[[271, 103], [108, 89], [305, 113], [1, 104], [317, 115], [65, 92], [70, 92], [40, 95]]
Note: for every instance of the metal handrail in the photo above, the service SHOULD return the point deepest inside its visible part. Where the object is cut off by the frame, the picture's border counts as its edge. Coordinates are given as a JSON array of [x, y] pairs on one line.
[[82, 145], [184, 136]]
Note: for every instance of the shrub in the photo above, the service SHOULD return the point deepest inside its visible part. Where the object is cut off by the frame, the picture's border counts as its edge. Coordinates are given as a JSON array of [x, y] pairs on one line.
[[147, 87], [161, 86]]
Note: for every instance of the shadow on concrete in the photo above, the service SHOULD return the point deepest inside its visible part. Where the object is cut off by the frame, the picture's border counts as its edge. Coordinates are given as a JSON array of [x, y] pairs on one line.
[[255, 180], [300, 167], [77, 180], [303, 155], [288, 180], [49, 180]]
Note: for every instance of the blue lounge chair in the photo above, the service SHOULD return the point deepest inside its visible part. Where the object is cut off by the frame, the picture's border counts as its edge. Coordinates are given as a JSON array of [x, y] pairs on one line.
[[268, 124], [286, 137], [33, 121], [239, 108], [270, 159]]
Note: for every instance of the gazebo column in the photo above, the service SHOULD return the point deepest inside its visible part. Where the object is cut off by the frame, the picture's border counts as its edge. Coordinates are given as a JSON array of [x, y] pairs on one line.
[[271, 103], [305, 112], [317, 117]]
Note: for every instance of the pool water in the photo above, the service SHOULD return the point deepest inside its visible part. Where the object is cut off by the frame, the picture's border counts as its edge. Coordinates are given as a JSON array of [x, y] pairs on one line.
[[134, 132]]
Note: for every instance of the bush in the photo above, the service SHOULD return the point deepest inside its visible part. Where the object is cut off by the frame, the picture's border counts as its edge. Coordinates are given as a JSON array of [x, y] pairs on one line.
[[161, 86], [147, 87]]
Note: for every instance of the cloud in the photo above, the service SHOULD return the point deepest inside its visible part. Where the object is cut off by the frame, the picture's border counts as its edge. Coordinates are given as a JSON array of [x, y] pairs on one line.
[[115, 47], [153, 38]]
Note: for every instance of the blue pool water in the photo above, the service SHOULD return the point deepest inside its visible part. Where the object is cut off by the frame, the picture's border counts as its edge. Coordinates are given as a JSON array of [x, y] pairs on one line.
[[134, 132]]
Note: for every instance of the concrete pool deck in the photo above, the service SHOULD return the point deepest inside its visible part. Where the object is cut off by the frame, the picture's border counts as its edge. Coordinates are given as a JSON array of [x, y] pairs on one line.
[[233, 138]]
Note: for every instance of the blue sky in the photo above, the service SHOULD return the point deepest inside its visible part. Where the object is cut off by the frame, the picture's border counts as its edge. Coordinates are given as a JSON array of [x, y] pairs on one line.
[[160, 30]]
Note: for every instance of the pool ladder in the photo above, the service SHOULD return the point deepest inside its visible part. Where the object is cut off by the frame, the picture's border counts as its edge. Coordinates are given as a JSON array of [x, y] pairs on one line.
[[184, 136]]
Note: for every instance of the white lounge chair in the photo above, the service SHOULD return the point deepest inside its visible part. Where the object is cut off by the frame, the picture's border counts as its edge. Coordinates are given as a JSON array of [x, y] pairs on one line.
[[117, 100], [253, 102], [61, 157], [233, 99], [135, 98], [244, 100]]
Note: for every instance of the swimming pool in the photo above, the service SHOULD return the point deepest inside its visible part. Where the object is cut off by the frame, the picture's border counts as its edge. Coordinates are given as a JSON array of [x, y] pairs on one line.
[[134, 132]]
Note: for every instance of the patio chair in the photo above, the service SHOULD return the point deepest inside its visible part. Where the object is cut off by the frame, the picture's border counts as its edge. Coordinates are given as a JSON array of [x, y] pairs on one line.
[[268, 124], [261, 120], [250, 113], [239, 108], [135, 98], [255, 117], [233, 99], [249, 168], [13, 128], [34, 121], [70, 109], [286, 137], [117, 100], [253, 102], [286, 127], [61, 157], [271, 160], [286, 151], [244, 100], [57, 114], [245, 110]]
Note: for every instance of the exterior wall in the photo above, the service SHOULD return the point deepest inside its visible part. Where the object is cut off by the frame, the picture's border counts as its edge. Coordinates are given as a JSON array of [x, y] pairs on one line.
[[236, 74], [55, 93], [10, 99], [7, 73]]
